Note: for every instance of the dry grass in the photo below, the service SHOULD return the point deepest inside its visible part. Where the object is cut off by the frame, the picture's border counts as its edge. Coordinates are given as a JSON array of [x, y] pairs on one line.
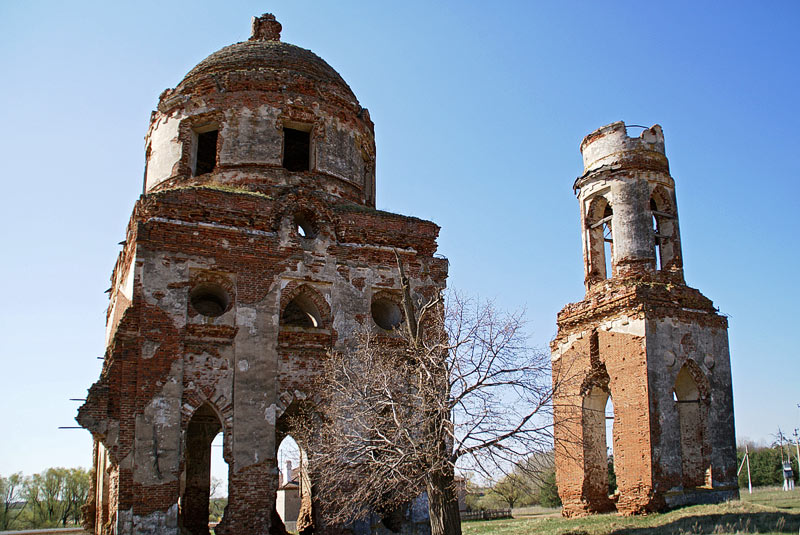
[[765, 511]]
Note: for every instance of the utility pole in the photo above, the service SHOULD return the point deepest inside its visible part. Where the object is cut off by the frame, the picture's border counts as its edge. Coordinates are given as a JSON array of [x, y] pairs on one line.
[[788, 475], [783, 463], [746, 460], [749, 481]]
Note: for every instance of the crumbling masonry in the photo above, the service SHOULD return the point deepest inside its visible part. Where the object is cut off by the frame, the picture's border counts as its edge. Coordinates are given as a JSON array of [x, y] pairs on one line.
[[642, 338], [255, 248]]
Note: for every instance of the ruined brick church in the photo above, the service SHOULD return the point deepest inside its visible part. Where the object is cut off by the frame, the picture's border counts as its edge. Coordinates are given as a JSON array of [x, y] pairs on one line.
[[643, 339], [255, 248]]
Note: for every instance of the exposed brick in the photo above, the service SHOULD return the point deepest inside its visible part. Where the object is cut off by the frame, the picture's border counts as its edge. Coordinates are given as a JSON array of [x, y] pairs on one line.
[[195, 337]]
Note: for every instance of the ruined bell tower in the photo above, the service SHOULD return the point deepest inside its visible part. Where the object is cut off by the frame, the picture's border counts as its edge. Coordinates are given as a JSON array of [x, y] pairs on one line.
[[642, 342]]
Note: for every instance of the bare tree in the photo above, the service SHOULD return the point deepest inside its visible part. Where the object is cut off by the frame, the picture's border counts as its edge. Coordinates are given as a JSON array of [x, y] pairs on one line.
[[458, 383]]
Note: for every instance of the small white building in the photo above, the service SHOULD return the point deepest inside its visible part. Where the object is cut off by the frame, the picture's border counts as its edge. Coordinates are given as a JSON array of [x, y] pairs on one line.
[[287, 501]]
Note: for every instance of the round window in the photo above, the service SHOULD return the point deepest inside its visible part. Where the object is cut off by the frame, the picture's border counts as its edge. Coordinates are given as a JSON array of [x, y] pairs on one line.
[[386, 313], [209, 299]]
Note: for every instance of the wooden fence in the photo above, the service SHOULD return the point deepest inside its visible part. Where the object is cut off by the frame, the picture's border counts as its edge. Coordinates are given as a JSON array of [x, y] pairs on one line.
[[46, 531], [489, 514]]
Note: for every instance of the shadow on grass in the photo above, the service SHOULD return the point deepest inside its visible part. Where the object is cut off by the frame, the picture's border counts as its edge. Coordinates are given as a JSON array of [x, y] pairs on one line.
[[745, 522]]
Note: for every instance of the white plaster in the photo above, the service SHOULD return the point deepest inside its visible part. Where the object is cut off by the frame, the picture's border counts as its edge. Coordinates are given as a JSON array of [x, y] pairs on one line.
[[211, 225], [156, 523], [251, 136], [563, 347], [270, 414], [614, 141], [379, 248], [625, 325], [126, 289], [160, 408], [127, 285], [149, 348], [246, 317], [110, 322], [165, 150], [125, 522]]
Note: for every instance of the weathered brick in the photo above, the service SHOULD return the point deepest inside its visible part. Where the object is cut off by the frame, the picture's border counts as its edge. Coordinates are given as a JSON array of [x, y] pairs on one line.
[[657, 347], [197, 333]]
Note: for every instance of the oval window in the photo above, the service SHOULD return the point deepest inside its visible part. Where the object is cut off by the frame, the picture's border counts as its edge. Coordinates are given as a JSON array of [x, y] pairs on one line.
[[209, 299]]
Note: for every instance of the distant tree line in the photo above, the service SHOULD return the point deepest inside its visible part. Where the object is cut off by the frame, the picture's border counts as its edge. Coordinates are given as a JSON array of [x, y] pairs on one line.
[[530, 483], [52, 498], [533, 483], [536, 485]]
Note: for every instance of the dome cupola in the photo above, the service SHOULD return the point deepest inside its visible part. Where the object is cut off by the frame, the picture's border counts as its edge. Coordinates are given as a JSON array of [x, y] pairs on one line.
[[262, 114]]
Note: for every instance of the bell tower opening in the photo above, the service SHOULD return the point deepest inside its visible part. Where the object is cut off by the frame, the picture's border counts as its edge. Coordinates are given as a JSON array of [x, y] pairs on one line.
[[656, 235], [608, 243], [665, 235], [600, 237]]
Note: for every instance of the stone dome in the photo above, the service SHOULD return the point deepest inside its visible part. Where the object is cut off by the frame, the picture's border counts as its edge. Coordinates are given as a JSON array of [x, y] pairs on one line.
[[264, 63], [263, 114], [275, 63]]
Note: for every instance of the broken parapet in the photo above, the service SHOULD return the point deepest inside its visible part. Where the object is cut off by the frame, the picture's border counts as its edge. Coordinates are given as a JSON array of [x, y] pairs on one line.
[[611, 146]]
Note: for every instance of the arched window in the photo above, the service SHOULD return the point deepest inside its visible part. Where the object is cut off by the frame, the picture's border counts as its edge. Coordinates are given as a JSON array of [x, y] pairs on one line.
[[305, 224], [600, 238], [301, 312]]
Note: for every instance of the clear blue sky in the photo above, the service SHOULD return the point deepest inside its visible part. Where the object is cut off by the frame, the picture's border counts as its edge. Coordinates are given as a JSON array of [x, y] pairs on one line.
[[479, 109]]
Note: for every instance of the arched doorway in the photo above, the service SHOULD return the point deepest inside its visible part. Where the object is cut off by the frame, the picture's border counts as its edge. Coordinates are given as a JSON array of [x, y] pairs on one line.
[[688, 396], [295, 501], [290, 482], [598, 428], [219, 481], [203, 427], [609, 417]]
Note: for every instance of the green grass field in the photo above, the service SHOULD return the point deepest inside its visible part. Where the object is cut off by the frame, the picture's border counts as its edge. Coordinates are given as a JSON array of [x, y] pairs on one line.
[[765, 511]]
